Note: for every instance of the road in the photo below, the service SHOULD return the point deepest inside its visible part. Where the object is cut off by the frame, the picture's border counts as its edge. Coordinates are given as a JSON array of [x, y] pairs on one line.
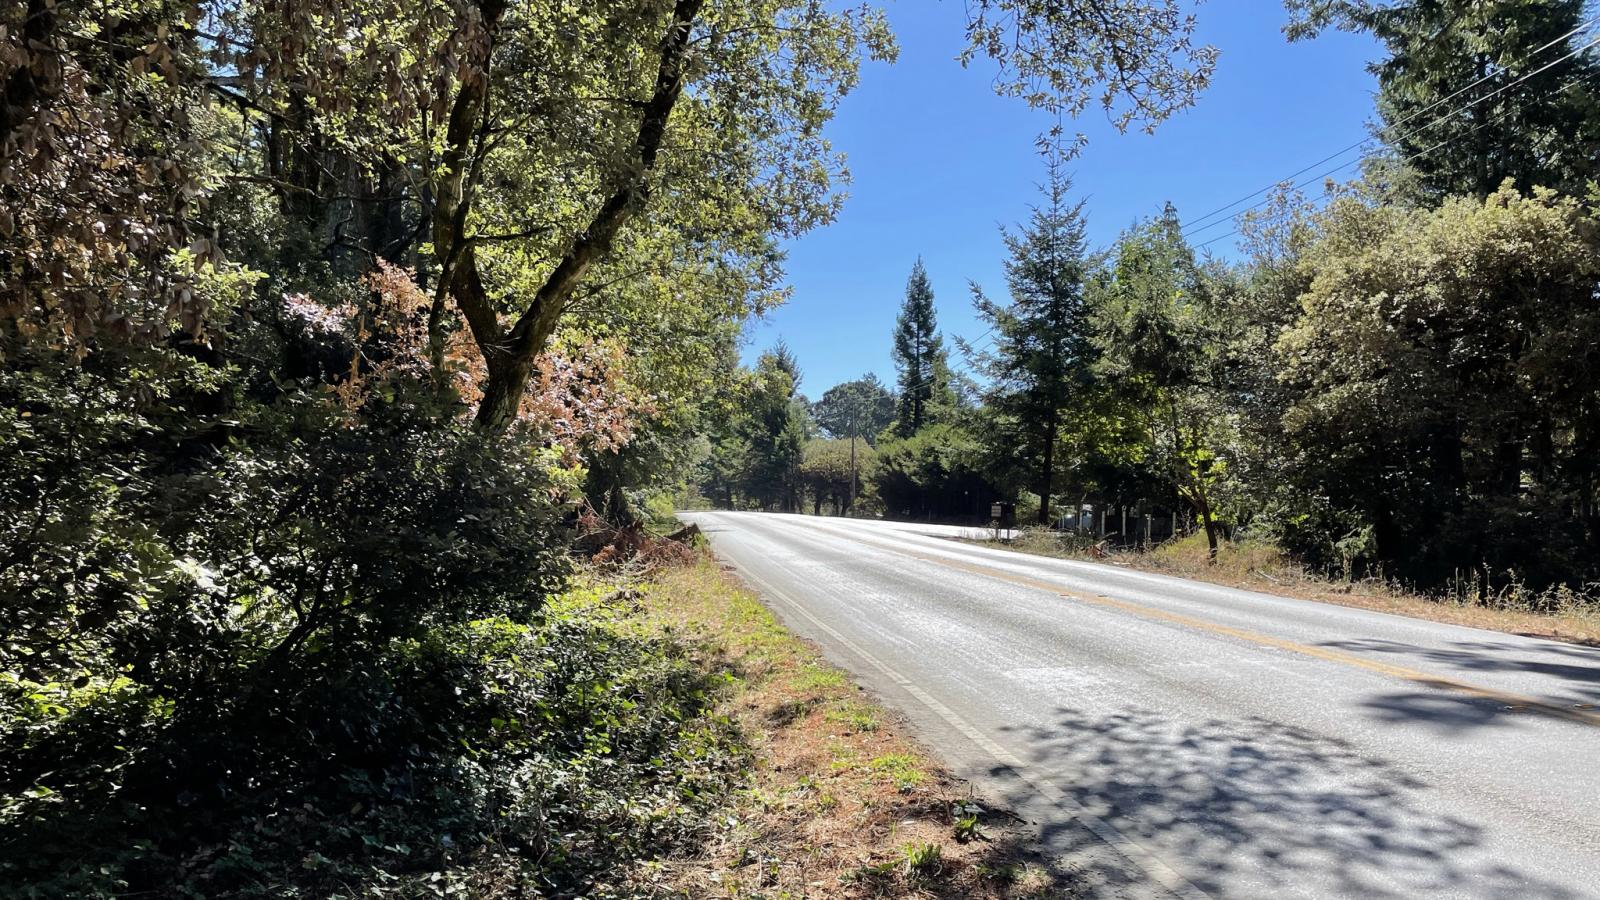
[[1176, 738]]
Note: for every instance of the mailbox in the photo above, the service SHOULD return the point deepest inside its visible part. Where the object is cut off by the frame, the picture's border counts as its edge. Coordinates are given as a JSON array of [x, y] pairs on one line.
[[1004, 515]]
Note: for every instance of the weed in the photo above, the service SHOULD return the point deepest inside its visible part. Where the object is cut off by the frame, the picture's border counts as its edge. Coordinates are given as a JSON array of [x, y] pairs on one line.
[[901, 768], [967, 829], [868, 874], [858, 718], [821, 678], [842, 757], [922, 861]]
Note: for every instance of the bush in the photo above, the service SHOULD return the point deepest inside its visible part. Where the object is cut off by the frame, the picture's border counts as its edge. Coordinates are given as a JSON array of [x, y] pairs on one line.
[[491, 755], [273, 648]]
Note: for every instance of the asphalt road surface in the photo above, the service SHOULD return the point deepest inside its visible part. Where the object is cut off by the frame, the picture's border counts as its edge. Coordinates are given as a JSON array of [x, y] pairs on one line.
[[1171, 737]]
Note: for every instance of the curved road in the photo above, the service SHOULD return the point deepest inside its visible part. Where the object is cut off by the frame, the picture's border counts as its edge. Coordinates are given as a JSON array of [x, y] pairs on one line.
[[1176, 738]]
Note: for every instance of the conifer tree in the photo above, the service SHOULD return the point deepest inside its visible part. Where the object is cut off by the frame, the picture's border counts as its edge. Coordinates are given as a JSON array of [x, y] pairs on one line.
[[920, 355], [1040, 358], [1457, 111]]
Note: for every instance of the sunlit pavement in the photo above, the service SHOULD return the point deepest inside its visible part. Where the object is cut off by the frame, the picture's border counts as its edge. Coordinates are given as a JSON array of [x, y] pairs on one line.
[[1173, 737]]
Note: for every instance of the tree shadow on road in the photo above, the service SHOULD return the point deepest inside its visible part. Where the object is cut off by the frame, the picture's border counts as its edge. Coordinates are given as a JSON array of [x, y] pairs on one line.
[[1256, 808], [1575, 669], [1575, 666]]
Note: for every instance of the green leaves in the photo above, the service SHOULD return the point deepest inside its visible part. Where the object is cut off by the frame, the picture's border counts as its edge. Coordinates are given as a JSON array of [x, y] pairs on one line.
[[863, 408], [1474, 92], [1134, 58], [1441, 357], [920, 356]]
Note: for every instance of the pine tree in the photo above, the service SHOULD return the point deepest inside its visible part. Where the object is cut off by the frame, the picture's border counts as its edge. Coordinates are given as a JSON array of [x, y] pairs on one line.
[[775, 427], [1544, 131], [1040, 358], [920, 356]]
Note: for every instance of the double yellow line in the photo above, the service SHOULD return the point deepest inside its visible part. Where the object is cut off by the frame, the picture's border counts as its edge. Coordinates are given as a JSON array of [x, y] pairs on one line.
[[1516, 702]]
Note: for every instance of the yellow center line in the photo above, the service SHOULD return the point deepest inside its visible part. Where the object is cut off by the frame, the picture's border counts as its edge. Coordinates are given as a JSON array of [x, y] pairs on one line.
[[1415, 676]]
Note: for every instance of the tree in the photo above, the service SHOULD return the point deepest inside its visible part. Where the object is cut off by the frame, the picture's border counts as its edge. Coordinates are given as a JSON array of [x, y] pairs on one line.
[[1445, 54], [105, 155], [855, 409], [1161, 339], [919, 355], [1136, 59], [775, 427], [934, 473], [1444, 384], [533, 161], [861, 408], [1040, 359], [831, 469], [262, 263]]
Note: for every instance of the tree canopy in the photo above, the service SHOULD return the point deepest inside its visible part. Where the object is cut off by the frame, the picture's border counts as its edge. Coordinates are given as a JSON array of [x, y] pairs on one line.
[[861, 408]]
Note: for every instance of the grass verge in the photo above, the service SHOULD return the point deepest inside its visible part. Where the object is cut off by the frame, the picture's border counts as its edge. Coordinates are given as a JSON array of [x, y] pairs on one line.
[[1263, 567], [840, 802]]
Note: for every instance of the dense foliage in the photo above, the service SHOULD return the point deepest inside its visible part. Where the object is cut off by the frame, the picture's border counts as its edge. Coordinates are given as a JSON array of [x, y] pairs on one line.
[[1040, 359], [1536, 123]]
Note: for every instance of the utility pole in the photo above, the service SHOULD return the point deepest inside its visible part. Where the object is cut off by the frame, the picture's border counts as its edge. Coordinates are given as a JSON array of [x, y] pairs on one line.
[[850, 507]]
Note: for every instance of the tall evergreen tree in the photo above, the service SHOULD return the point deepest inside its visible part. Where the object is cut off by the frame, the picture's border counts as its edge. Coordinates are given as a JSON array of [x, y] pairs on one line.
[[1544, 131], [775, 427], [919, 354], [1040, 358]]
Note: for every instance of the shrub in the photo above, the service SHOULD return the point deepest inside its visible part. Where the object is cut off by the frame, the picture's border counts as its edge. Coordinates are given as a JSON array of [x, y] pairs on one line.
[[492, 756], [275, 648]]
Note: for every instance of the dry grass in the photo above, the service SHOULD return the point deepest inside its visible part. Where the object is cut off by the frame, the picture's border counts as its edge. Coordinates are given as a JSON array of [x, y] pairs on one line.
[[841, 802], [1263, 567]]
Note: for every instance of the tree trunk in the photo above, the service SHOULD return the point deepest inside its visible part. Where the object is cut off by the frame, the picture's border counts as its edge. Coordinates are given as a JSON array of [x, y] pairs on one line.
[[1047, 470], [502, 393], [1211, 532], [509, 355]]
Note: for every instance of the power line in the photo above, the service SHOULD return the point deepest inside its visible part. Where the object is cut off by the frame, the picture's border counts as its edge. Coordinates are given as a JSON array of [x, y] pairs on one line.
[[1258, 204], [1409, 157], [1195, 226]]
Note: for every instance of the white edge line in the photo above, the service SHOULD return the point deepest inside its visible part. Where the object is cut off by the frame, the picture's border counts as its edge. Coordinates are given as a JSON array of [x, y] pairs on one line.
[[1146, 859]]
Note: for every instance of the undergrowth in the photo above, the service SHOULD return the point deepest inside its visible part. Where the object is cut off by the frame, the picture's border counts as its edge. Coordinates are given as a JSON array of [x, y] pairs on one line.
[[502, 759], [661, 738]]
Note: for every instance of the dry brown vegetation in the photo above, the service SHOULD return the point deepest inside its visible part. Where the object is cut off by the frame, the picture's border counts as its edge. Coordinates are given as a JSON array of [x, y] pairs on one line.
[[1257, 566], [840, 801]]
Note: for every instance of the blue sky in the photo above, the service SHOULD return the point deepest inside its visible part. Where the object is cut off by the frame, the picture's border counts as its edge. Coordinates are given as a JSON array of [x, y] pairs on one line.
[[939, 162]]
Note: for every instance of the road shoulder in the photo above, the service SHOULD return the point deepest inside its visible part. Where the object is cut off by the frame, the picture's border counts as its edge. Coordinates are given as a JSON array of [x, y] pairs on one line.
[[842, 801]]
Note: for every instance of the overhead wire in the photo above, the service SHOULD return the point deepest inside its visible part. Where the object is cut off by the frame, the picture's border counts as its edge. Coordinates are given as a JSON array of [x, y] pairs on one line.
[[1417, 154], [1195, 226]]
